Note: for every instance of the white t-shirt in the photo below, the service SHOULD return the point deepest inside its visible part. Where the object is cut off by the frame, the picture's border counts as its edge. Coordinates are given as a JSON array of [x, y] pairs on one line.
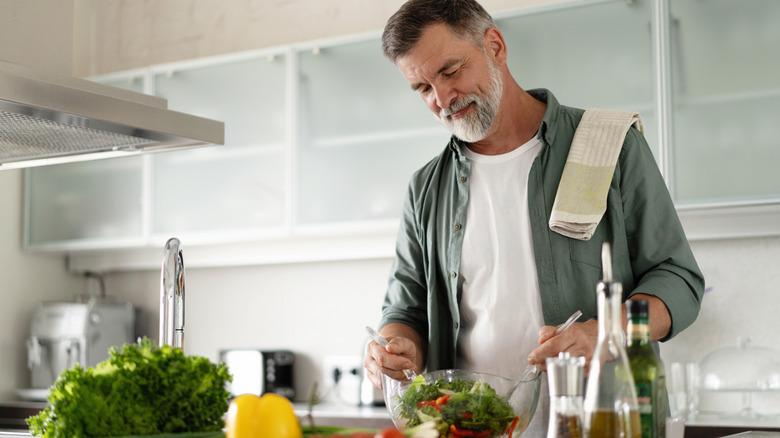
[[500, 306]]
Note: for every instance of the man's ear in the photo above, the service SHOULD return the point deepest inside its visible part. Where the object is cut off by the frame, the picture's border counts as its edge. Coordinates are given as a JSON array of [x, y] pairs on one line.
[[495, 46]]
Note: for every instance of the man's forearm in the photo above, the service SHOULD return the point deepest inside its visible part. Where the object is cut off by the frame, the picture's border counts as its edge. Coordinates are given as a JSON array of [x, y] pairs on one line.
[[660, 320]]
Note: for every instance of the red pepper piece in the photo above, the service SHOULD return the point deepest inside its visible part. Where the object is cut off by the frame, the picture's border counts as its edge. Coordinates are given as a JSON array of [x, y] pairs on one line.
[[431, 403], [468, 432], [512, 427], [443, 399], [458, 432]]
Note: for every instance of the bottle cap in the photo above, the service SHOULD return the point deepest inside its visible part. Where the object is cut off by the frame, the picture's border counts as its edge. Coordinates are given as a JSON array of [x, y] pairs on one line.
[[565, 375], [637, 307]]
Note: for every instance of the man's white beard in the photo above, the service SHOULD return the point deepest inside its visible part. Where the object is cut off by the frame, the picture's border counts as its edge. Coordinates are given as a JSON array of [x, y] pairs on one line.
[[475, 126]]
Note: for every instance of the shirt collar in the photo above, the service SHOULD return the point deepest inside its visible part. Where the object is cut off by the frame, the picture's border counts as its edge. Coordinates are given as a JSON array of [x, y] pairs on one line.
[[456, 146], [546, 134]]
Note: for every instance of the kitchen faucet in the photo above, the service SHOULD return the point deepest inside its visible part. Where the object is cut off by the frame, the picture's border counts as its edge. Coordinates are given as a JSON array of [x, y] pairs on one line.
[[172, 296]]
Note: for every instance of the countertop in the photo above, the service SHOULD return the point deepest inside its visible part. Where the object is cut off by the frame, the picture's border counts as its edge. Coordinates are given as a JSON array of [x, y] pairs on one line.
[[325, 414], [343, 414], [710, 426]]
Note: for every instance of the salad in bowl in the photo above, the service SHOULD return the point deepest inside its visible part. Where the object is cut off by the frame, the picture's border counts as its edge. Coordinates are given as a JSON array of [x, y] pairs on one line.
[[463, 403]]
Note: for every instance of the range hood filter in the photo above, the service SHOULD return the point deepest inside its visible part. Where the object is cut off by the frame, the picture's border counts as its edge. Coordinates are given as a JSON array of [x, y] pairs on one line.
[[25, 138]]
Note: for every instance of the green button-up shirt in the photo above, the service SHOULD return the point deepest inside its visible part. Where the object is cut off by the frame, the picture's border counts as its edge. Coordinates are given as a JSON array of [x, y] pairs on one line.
[[650, 252]]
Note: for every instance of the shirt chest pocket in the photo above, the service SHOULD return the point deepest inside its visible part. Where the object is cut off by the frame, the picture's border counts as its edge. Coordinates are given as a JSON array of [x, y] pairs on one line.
[[587, 252]]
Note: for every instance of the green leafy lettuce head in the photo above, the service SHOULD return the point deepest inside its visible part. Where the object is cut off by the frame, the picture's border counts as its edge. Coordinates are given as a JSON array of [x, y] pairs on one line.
[[141, 389]]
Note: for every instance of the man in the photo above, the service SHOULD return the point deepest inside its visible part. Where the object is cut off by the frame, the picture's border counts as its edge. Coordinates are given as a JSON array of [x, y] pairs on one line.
[[478, 270]]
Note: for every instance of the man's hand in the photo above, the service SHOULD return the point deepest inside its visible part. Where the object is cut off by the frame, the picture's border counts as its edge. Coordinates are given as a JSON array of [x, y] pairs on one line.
[[580, 339], [403, 351], [577, 340]]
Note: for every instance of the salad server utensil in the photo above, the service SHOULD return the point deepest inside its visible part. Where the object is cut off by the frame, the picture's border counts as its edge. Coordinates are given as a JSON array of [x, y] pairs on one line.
[[531, 369], [382, 341]]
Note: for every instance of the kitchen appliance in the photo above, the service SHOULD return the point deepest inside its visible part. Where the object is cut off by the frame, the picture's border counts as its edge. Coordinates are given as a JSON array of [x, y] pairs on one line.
[[259, 372], [65, 333], [47, 118]]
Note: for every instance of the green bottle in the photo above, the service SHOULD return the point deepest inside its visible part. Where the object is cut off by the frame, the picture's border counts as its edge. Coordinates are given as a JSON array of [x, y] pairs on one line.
[[648, 370]]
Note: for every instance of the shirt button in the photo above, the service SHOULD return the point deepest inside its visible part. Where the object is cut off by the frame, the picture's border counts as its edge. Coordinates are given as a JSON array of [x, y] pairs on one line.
[[463, 179], [455, 325], [457, 227], [453, 274]]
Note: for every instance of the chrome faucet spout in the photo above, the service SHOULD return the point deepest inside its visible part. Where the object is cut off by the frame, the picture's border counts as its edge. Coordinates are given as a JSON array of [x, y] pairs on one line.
[[172, 296]]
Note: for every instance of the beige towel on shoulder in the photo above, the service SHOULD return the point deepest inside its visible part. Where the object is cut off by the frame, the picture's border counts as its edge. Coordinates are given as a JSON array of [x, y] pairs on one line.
[[582, 192]]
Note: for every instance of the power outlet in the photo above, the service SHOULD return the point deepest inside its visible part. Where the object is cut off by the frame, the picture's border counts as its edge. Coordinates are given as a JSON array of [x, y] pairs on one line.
[[342, 376]]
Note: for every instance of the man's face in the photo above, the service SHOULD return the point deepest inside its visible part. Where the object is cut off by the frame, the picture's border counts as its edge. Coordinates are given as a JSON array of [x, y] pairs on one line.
[[456, 80]]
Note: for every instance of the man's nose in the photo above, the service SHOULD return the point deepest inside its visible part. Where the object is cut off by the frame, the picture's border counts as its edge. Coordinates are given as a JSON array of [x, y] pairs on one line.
[[445, 96]]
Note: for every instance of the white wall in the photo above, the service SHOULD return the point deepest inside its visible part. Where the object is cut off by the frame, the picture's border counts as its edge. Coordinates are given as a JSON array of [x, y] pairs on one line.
[[314, 309], [743, 285], [33, 33], [25, 280]]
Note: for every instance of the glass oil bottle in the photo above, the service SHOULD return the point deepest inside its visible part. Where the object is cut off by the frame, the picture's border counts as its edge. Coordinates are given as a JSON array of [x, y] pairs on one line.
[[610, 406]]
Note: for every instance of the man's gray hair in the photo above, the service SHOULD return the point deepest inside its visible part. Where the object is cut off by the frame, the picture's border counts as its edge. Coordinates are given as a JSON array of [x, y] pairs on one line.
[[466, 19]]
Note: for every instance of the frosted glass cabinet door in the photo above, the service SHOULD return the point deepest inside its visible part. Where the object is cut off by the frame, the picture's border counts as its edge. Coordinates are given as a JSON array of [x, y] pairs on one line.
[[726, 90], [93, 200], [241, 184], [589, 56], [362, 133]]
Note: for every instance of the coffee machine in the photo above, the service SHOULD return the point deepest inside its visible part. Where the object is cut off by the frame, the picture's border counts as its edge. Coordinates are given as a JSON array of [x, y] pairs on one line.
[[65, 333]]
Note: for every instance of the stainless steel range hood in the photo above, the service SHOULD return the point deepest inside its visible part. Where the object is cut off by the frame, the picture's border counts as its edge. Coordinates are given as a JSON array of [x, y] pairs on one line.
[[46, 119]]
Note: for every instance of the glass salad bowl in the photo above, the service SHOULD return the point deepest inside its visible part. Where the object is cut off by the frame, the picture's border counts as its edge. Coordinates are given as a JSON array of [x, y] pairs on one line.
[[463, 403]]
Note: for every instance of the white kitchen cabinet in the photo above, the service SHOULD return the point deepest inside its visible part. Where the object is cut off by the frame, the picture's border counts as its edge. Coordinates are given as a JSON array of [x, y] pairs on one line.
[[726, 93], [237, 190], [85, 204], [593, 55], [237, 187], [361, 133], [322, 137]]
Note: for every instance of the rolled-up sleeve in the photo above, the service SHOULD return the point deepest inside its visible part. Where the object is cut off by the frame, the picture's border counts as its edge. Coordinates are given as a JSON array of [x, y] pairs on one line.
[[662, 261]]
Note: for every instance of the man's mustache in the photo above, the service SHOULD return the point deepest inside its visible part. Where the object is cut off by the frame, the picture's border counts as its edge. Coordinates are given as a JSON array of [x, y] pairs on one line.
[[458, 105]]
